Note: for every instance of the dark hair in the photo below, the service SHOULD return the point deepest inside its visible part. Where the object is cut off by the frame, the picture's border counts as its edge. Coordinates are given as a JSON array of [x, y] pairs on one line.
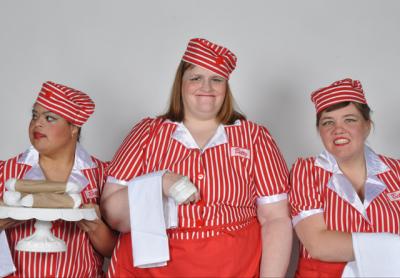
[[175, 112], [78, 137], [363, 108]]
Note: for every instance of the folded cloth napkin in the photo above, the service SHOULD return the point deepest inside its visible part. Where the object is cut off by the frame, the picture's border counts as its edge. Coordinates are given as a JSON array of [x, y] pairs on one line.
[[376, 255], [41, 186], [6, 262], [51, 200], [150, 214], [42, 194]]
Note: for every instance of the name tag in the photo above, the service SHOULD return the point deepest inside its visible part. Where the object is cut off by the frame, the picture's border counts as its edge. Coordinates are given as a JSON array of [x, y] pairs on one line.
[[236, 151], [91, 194], [394, 196]]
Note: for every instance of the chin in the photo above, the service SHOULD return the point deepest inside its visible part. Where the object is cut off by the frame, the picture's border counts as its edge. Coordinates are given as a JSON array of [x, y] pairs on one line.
[[40, 148]]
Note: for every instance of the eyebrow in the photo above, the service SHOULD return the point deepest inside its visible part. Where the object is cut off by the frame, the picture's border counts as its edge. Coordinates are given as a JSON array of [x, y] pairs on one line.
[[201, 74], [346, 115]]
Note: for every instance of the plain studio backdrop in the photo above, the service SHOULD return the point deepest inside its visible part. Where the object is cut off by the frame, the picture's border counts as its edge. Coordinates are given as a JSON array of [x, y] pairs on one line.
[[124, 54]]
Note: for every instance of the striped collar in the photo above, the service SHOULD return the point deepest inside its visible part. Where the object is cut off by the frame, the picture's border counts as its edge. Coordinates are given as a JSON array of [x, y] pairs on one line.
[[82, 161], [342, 186], [183, 135]]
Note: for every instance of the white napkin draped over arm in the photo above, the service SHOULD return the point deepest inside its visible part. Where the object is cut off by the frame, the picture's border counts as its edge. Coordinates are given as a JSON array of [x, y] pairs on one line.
[[151, 213], [6, 262], [376, 255]]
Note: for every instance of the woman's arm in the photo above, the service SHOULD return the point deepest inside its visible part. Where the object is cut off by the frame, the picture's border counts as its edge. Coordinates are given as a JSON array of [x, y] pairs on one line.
[[115, 203], [276, 236], [323, 244], [114, 206]]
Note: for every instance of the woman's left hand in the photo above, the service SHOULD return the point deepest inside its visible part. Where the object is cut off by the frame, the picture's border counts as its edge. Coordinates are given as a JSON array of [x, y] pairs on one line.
[[90, 225]]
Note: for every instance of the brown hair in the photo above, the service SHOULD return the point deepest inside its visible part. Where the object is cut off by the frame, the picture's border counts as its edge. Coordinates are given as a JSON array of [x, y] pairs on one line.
[[175, 112], [363, 108]]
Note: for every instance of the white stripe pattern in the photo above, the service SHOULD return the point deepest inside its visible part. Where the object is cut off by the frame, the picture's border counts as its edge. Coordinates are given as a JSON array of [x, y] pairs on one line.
[[210, 56], [339, 91]]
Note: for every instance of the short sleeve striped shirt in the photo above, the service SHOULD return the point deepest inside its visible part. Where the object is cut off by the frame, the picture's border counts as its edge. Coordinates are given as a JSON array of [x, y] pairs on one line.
[[313, 190], [240, 167]]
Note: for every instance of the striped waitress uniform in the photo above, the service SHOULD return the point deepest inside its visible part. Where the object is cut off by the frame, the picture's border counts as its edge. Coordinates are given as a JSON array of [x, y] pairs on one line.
[[318, 186], [80, 259], [239, 168]]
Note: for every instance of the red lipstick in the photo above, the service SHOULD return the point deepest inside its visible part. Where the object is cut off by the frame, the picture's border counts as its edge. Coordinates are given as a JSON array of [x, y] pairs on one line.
[[38, 135]]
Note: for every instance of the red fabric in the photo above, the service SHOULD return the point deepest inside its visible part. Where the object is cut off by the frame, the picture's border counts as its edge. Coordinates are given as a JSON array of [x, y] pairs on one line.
[[339, 91], [232, 254], [73, 105], [309, 268], [211, 56]]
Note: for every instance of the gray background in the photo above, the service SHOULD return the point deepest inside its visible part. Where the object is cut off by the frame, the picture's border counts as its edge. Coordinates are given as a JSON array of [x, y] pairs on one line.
[[125, 53]]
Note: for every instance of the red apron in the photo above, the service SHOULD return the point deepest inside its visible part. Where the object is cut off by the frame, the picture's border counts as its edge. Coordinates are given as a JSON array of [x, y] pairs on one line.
[[310, 268], [231, 254]]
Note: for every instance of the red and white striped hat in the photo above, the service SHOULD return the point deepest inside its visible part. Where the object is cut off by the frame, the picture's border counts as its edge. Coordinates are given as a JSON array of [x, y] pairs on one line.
[[73, 105], [339, 91], [211, 56]]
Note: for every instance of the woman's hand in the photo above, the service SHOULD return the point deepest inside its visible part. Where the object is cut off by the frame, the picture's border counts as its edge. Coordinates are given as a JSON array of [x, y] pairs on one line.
[[90, 225], [169, 180]]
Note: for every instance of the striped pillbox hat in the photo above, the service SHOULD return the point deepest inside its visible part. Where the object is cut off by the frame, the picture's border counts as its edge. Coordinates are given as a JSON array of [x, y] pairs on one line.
[[211, 56], [339, 91], [73, 105]]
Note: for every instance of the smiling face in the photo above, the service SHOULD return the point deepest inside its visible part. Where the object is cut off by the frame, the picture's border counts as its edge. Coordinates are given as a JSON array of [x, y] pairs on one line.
[[49, 132], [343, 132], [203, 93]]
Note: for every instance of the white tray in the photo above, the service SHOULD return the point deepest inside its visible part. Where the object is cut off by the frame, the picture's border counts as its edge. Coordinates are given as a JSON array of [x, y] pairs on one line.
[[42, 240], [47, 214]]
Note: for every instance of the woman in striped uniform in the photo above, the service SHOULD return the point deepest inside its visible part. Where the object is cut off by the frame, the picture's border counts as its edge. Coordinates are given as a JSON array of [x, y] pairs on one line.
[[345, 190], [55, 155], [238, 216]]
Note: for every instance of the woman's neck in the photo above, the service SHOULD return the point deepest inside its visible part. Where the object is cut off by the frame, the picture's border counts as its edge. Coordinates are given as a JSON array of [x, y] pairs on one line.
[[201, 130], [57, 166]]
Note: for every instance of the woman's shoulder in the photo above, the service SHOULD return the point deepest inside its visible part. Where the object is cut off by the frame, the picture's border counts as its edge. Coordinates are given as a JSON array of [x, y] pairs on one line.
[[12, 160], [11, 167], [248, 123], [99, 163], [252, 127], [392, 163], [149, 123]]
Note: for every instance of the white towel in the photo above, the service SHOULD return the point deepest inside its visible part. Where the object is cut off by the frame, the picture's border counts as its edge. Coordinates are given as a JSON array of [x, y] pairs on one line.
[[376, 255], [151, 214], [6, 262]]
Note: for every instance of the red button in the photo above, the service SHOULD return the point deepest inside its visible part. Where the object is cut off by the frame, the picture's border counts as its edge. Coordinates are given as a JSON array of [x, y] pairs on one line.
[[200, 176], [201, 203]]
